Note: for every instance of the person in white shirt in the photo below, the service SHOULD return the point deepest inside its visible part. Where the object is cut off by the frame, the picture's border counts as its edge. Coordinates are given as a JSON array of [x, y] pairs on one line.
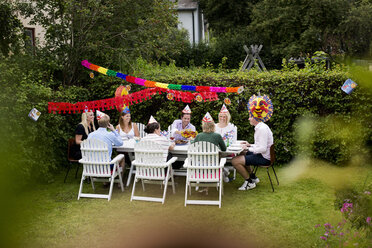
[[126, 128], [260, 110], [153, 133], [225, 128]]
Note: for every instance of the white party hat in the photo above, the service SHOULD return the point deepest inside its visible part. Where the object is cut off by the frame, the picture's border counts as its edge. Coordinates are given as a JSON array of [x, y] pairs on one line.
[[224, 109], [152, 120], [207, 117], [99, 114], [186, 110]]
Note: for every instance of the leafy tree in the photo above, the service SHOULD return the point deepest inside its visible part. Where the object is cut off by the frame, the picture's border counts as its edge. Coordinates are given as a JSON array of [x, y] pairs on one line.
[[10, 29], [356, 30], [106, 32], [225, 15], [293, 28]]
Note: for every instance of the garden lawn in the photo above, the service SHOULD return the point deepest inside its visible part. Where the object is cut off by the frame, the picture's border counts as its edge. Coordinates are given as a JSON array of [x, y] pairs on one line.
[[52, 216]]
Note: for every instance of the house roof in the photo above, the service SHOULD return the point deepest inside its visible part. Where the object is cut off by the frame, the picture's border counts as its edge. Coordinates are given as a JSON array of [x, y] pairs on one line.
[[187, 5]]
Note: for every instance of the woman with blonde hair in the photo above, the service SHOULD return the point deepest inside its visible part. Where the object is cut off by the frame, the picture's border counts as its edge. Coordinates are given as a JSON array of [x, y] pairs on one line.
[[126, 128], [85, 127], [226, 129]]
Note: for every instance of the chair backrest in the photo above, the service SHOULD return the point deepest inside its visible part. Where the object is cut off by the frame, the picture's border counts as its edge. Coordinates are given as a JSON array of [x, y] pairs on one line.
[[272, 154], [169, 131], [141, 129], [95, 157], [235, 133], [70, 144], [150, 159], [203, 160]]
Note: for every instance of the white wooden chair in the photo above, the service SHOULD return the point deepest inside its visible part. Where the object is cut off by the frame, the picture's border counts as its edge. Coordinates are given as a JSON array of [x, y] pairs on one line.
[[152, 168], [204, 168], [141, 129], [96, 165]]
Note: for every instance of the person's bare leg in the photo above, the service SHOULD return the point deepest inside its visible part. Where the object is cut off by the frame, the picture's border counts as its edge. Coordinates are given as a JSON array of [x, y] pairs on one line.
[[239, 164]]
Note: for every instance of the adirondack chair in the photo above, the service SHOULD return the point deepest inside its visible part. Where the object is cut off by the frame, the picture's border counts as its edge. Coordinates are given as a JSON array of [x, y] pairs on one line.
[[204, 168], [96, 165], [141, 129], [152, 168]]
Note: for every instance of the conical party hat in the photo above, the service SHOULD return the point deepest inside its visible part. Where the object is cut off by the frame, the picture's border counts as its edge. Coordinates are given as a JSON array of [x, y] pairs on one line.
[[152, 120], [126, 110], [186, 110], [99, 114], [224, 109], [207, 117]]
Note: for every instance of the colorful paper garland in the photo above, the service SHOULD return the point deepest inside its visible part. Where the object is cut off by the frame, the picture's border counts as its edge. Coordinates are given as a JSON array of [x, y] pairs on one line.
[[147, 83], [127, 100]]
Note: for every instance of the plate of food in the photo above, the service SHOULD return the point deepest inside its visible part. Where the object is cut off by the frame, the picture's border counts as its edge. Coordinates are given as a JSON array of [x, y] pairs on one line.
[[188, 133]]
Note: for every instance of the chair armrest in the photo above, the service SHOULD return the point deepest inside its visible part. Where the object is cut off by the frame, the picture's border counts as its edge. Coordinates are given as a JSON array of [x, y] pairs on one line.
[[117, 158], [186, 163], [222, 162], [171, 161]]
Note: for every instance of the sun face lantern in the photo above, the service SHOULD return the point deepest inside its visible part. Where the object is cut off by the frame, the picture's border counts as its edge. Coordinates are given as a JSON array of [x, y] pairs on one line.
[[198, 98], [260, 107], [170, 96]]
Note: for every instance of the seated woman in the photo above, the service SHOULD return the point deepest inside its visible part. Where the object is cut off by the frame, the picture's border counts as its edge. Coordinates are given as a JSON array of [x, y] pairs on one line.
[[209, 134], [153, 130], [225, 128], [85, 127], [126, 128]]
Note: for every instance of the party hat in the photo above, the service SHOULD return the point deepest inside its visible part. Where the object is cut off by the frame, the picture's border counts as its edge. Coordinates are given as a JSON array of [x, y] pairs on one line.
[[126, 110], [152, 120], [186, 110], [207, 117], [99, 114], [224, 109]]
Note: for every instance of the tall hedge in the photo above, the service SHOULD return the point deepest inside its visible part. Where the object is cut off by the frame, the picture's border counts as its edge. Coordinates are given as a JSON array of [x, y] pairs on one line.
[[295, 93], [38, 148]]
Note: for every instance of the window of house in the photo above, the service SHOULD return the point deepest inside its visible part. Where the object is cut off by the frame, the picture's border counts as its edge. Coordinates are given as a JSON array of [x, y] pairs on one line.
[[30, 39]]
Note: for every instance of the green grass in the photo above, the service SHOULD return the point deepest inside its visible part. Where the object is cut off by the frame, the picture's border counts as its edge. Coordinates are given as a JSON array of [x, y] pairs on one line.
[[52, 216]]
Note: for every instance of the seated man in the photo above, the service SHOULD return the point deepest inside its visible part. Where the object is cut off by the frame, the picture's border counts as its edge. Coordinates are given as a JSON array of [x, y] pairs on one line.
[[260, 110], [179, 125], [108, 137]]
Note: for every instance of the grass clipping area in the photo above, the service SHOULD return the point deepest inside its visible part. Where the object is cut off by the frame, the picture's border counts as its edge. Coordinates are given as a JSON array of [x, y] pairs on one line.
[[51, 216]]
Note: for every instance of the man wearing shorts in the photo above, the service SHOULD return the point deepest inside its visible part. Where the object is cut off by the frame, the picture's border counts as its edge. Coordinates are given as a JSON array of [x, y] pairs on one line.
[[257, 153]]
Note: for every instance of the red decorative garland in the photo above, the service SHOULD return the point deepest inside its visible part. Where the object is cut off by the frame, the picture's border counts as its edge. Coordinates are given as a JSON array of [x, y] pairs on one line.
[[130, 99]]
